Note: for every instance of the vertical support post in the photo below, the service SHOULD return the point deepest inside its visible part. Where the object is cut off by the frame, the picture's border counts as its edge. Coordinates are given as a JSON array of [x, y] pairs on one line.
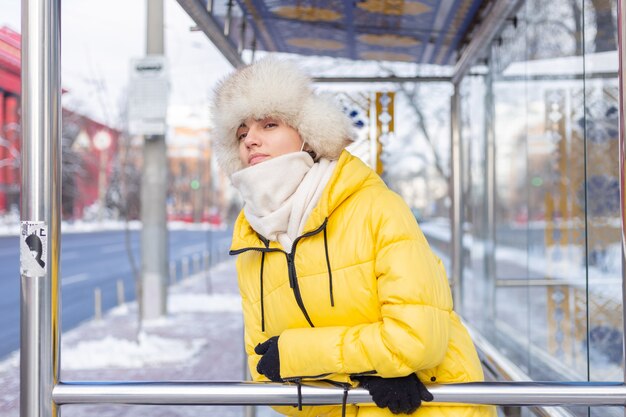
[[229, 18], [249, 410], [253, 47], [97, 303], [242, 35], [207, 272], [195, 265], [490, 197], [185, 268], [154, 253], [172, 273], [120, 292], [621, 40], [197, 187], [456, 189], [40, 204]]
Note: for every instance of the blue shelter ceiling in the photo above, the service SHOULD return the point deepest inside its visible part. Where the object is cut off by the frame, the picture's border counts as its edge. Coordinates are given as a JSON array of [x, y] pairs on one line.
[[425, 31]]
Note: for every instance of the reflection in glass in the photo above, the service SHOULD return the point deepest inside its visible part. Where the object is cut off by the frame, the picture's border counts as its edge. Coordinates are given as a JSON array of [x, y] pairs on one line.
[[558, 312]]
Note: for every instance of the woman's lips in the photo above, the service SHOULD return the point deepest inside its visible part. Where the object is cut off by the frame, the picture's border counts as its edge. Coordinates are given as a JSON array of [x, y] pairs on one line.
[[256, 158]]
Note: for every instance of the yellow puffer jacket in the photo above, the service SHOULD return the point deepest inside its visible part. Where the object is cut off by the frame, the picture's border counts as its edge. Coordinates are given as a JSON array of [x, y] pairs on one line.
[[360, 293]]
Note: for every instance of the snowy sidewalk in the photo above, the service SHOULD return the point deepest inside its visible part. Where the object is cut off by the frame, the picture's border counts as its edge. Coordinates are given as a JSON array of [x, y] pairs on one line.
[[200, 339]]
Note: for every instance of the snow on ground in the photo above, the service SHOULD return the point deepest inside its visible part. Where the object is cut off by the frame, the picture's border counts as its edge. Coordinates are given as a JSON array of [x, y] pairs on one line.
[[148, 349], [12, 228], [182, 303], [112, 352]]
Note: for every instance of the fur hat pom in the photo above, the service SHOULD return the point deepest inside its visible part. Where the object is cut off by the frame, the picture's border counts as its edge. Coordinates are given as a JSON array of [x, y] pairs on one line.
[[271, 87]]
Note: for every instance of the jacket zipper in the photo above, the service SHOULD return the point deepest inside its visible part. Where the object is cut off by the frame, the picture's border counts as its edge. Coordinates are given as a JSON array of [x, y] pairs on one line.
[[366, 373], [242, 250], [297, 378], [291, 267], [293, 283], [291, 270]]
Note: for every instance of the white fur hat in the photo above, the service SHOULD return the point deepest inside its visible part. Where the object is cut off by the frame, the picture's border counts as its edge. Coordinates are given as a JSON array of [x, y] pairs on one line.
[[271, 87]]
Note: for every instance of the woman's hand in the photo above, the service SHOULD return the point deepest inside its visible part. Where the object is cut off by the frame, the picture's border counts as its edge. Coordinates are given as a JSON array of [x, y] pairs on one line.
[[401, 395], [269, 364]]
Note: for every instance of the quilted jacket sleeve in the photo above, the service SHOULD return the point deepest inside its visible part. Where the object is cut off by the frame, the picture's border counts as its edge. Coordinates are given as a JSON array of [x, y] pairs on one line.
[[415, 305]]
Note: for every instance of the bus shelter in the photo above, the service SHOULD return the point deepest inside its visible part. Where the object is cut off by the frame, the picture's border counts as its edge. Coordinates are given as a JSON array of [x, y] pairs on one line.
[[478, 45]]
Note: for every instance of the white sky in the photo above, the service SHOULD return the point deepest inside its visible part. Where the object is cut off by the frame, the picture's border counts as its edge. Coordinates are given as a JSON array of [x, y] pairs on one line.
[[99, 38]]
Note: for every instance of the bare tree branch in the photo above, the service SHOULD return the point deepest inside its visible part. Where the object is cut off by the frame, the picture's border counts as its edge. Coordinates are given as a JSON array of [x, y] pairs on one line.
[[412, 97]]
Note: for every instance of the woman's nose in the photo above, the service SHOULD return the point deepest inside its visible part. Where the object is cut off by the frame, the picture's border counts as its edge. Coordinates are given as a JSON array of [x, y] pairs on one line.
[[252, 137]]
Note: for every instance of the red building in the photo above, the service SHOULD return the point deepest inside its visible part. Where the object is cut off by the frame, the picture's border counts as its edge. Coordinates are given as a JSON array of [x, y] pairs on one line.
[[89, 150], [89, 147], [9, 119]]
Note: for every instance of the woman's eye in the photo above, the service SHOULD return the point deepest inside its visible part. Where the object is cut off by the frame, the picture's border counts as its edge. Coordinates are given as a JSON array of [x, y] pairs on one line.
[[271, 124], [242, 136]]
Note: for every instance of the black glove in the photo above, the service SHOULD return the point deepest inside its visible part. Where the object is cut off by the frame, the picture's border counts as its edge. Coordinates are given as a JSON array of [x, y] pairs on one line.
[[401, 395], [269, 364]]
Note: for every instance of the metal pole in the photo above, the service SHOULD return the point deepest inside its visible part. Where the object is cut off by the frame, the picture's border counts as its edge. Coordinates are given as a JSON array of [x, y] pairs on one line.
[[242, 35], [209, 25], [40, 204], [249, 393], [196, 263], [391, 79], [185, 268], [490, 198], [621, 40], [229, 17], [120, 292], [249, 410], [154, 253], [487, 30], [172, 273], [97, 303], [253, 47], [456, 192]]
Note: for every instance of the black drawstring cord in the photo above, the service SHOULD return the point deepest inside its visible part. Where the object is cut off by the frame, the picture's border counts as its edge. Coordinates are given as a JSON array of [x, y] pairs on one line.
[[262, 303], [330, 273], [344, 401], [299, 383]]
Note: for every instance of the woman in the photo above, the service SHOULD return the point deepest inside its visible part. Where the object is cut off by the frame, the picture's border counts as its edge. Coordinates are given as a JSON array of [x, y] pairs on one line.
[[338, 283]]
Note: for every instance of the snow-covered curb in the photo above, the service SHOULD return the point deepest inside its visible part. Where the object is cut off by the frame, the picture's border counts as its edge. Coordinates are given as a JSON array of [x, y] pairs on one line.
[[112, 352], [150, 349], [13, 229]]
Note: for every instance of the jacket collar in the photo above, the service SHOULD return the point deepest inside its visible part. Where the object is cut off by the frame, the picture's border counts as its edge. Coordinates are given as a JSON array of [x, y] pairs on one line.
[[350, 175]]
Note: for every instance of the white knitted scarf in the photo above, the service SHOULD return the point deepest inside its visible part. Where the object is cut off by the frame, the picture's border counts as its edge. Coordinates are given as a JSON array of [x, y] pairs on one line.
[[280, 193]]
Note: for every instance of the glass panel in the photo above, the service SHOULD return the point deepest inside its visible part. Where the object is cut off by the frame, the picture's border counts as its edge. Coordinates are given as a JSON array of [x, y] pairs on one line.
[[475, 294], [558, 307], [601, 193], [512, 301]]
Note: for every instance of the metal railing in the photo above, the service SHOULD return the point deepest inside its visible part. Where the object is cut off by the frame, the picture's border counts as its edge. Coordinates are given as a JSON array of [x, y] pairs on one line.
[[250, 393]]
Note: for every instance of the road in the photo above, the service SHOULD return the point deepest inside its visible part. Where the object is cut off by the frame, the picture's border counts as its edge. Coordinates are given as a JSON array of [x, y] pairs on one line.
[[90, 260]]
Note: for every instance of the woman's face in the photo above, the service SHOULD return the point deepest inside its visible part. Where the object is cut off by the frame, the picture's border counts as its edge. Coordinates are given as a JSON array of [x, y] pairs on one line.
[[260, 140]]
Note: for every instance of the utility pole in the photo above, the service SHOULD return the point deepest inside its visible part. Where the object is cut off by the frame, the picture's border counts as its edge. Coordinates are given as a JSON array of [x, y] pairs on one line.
[[154, 253]]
